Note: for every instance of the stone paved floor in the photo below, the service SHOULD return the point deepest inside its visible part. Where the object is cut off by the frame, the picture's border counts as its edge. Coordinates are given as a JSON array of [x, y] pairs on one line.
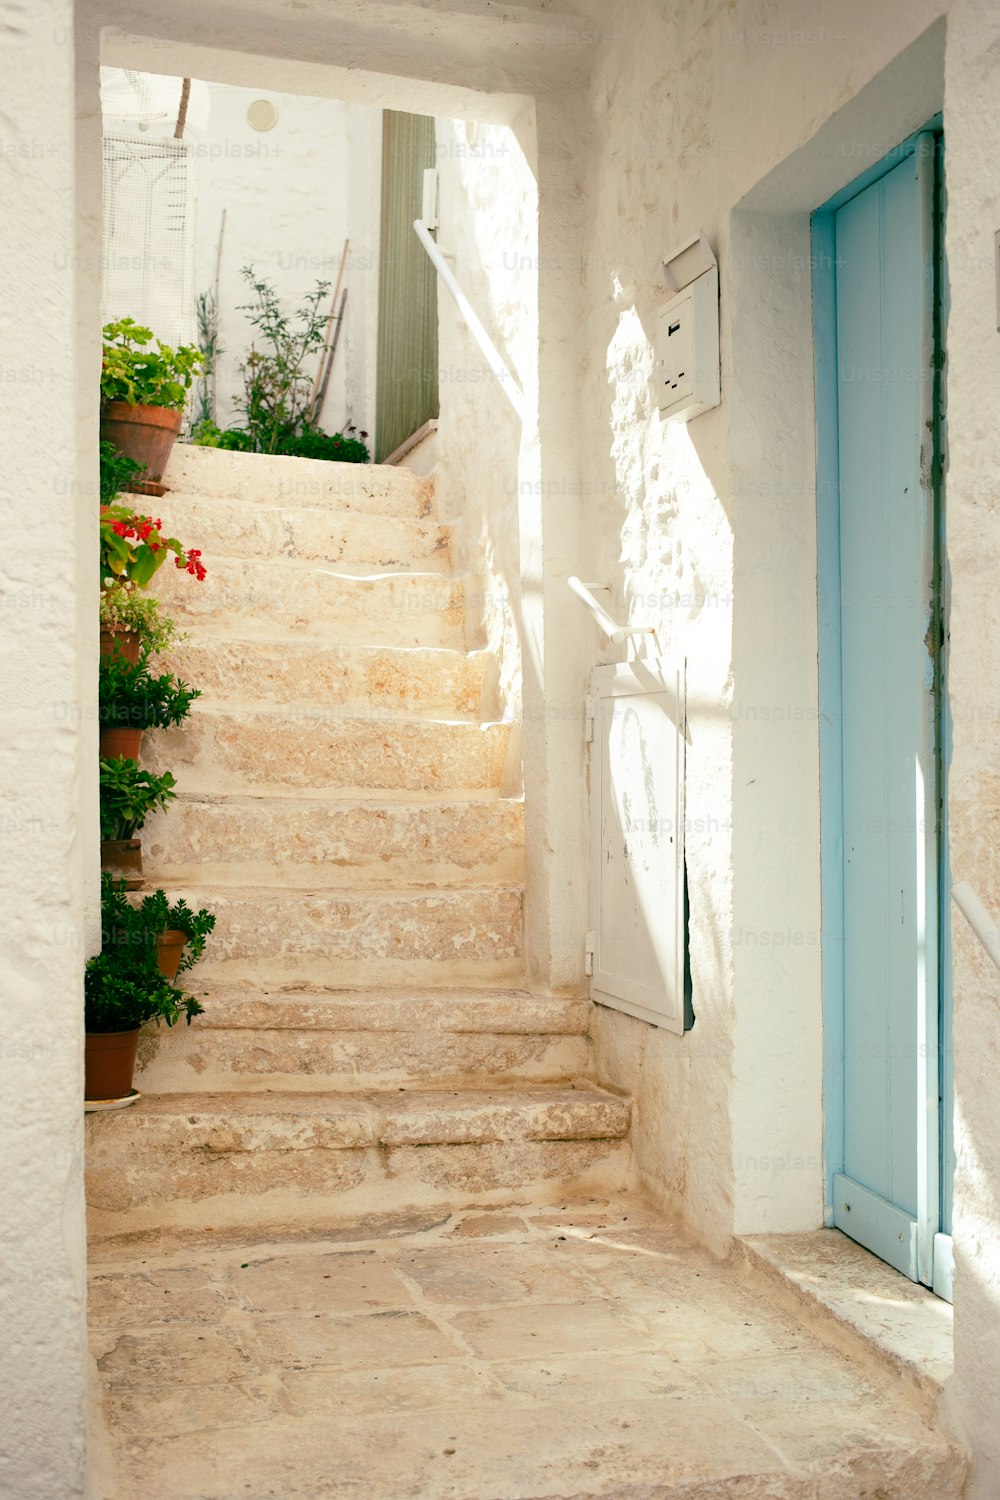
[[504, 1355]]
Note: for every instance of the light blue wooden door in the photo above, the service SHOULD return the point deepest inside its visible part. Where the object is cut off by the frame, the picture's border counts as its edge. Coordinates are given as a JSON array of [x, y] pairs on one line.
[[887, 1193]]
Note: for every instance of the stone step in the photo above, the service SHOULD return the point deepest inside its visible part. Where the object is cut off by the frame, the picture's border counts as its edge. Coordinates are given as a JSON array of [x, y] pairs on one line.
[[221, 1160], [229, 749], [317, 602], [259, 478], [326, 843], [231, 528], [276, 936], [391, 679], [303, 1040]]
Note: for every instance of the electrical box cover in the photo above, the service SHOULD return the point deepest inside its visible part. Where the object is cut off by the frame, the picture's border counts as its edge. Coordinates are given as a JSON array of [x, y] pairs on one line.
[[686, 354]]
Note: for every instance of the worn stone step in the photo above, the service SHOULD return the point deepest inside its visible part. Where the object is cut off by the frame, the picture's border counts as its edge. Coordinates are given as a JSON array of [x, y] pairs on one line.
[[316, 601], [314, 842], [290, 530], [437, 683], [258, 478], [219, 1160], [229, 749], [303, 1040], [279, 936]]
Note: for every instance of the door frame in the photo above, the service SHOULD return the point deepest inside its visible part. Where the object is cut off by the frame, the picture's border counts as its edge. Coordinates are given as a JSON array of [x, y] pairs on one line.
[[830, 727]]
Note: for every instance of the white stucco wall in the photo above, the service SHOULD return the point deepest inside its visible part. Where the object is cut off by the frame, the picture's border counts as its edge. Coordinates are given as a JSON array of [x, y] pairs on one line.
[[972, 136], [488, 210], [286, 193], [291, 196], [708, 532], [48, 764]]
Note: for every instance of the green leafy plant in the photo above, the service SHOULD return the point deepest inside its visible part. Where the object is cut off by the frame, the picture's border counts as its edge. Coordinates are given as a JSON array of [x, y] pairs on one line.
[[123, 990], [133, 927], [310, 442], [133, 372], [133, 547], [207, 312], [124, 606], [117, 472], [130, 697], [159, 915], [128, 795], [276, 389]]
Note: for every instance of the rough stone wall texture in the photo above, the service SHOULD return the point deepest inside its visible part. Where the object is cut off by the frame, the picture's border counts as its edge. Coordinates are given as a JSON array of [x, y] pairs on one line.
[[47, 799], [972, 109]]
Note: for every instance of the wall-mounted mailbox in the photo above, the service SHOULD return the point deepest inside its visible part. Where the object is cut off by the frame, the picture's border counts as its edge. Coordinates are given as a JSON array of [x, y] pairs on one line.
[[686, 365]]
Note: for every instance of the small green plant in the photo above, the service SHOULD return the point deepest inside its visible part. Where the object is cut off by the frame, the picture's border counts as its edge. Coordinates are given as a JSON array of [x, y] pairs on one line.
[[130, 697], [133, 927], [124, 606], [123, 990], [276, 389], [117, 472], [128, 796], [207, 312], [310, 442], [143, 376]]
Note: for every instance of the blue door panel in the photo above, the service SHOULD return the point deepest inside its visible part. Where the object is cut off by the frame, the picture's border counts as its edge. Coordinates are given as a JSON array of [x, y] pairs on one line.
[[884, 285]]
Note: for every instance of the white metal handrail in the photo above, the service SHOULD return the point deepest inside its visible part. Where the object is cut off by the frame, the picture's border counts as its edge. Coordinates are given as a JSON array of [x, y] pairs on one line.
[[508, 384], [978, 918], [613, 631]]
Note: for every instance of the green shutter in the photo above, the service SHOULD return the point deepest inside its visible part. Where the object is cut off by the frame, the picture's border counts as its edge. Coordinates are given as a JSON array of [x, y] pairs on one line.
[[407, 385]]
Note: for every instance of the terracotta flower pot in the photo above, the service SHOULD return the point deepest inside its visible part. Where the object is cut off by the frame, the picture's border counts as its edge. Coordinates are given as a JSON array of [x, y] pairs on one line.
[[169, 947], [115, 742], [145, 433], [109, 1061], [115, 641], [123, 859]]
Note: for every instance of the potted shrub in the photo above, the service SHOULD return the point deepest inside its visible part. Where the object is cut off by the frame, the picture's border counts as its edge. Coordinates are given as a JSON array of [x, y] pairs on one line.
[[131, 700], [123, 989], [153, 927], [128, 795], [143, 391], [133, 549], [132, 622]]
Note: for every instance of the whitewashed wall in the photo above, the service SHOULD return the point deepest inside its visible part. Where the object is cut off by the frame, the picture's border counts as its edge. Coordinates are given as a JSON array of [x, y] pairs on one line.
[[488, 208], [291, 196], [48, 752]]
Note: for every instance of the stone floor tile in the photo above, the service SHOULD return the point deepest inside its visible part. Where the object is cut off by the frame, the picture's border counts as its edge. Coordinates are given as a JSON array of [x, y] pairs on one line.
[[538, 1454], [540, 1329], [341, 1281], [144, 1299], [178, 1356], [487, 1226], [299, 1341], [169, 1411], [324, 1393], [584, 1377], [483, 1275]]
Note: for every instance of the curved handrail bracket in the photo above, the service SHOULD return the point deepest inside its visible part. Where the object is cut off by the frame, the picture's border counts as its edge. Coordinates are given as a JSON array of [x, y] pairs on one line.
[[508, 384], [613, 631]]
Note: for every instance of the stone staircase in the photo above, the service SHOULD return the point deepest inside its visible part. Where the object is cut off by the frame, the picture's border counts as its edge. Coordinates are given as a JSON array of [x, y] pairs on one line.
[[367, 1047]]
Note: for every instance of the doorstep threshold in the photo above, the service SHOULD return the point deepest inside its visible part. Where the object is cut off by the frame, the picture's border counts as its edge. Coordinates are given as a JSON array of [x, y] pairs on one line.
[[856, 1302]]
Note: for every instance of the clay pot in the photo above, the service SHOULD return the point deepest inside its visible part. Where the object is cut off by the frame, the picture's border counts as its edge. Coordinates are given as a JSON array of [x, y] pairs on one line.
[[115, 742], [169, 947], [118, 642], [123, 859], [109, 1061], [145, 433]]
